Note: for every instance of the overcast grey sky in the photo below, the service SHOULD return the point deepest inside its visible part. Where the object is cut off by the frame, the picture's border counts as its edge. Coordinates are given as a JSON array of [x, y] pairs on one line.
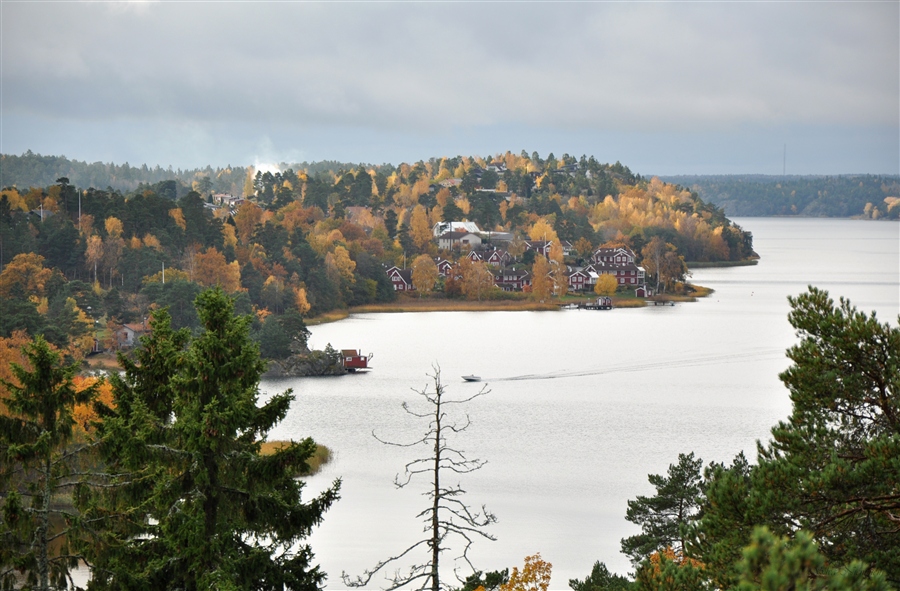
[[663, 87]]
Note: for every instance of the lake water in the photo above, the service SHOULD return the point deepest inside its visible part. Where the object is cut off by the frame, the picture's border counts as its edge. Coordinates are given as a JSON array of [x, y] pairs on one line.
[[615, 396]]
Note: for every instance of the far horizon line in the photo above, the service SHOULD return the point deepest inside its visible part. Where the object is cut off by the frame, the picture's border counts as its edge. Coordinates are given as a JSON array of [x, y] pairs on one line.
[[284, 165]]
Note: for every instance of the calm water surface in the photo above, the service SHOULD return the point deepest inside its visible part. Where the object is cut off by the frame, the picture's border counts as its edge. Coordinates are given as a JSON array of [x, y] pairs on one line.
[[614, 396]]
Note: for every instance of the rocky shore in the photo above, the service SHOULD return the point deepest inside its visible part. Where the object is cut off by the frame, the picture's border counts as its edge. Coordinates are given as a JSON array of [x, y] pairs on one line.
[[309, 363]]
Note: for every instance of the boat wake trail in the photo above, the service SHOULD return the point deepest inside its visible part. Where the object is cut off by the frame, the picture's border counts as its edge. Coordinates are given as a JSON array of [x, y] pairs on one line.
[[752, 355]]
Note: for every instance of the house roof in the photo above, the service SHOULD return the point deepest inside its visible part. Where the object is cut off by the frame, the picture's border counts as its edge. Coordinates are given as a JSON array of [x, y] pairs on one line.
[[458, 235], [444, 227], [613, 251]]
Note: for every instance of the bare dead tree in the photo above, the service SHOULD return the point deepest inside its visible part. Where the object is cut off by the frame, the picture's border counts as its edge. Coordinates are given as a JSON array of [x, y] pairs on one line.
[[447, 516]]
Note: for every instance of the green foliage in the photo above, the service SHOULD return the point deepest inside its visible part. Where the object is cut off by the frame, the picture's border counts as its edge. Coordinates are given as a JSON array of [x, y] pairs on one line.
[[726, 522], [216, 513], [814, 196], [833, 468], [773, 563], [600, 579], [35, 170], [490, 581], [178, 296], [664, 517], [274, 342], [37, 459]]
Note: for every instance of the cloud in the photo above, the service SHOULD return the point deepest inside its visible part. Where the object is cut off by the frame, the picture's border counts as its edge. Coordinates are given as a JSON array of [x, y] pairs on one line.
[[416, 70]]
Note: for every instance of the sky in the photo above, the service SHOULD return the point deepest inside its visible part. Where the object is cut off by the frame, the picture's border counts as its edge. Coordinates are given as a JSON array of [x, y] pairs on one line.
[[666, 88]]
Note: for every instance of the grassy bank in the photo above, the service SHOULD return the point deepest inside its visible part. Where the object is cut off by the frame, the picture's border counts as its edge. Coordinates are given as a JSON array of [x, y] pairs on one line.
[[103, 361], [409, 304], [319, 459]]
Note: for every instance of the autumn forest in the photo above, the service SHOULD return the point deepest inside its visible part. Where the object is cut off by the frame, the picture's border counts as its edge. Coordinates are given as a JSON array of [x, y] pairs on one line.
[[296, 243]]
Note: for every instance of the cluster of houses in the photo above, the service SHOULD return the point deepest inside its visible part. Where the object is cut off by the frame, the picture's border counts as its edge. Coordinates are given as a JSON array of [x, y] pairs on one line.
[[466, 237]]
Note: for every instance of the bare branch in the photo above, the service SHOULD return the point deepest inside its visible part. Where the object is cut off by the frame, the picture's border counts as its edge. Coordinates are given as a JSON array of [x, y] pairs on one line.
[[445, 515]]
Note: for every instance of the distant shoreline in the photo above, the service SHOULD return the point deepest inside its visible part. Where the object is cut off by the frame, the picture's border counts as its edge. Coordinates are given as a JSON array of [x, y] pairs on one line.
[[413, 304]]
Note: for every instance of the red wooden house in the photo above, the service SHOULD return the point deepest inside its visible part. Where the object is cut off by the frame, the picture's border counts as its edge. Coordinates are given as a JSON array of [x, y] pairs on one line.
[[401, 279]]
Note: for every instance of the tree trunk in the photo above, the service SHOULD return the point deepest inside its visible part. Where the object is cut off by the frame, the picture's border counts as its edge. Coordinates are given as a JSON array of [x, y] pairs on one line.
[[435, 534], [43, 533]]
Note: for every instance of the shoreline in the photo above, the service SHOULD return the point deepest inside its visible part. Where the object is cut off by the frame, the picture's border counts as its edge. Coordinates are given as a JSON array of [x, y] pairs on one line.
[[406, 304], [412, 305], [721, 264]]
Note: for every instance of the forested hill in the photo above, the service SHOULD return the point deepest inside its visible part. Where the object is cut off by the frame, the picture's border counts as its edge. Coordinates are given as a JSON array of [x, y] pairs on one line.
[[36, 170], [865, 196], [306, 241]]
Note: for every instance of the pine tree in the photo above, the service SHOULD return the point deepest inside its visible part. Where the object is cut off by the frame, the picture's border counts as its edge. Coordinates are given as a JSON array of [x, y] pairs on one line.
[[663, 517], [833, 468]]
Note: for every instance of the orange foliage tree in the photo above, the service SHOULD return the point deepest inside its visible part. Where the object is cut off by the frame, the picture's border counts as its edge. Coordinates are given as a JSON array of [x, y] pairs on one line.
[[670, 569], [211, 269], [11, 352], [25, 273], [84, 414], [534, 576]]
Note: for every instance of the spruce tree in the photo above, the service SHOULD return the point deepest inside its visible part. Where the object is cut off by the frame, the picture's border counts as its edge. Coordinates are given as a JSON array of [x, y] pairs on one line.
[[218, 514], [38, 463]]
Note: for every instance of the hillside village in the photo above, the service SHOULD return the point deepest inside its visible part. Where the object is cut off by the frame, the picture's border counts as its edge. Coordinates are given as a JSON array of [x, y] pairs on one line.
[[469, 243], [291, 243]]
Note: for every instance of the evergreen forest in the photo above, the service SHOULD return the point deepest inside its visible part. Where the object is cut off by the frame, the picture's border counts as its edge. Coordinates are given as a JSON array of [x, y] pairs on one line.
[[860, 196]]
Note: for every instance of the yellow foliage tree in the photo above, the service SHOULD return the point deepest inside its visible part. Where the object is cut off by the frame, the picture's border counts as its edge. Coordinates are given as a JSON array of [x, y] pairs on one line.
[[424, 274], [84, 414], [404, 197], [421, 187], [86, 224], [93, 254], [559, 277], [113, 227], [541, 283], [178, 216], [556, 252], [248, 181], [151, 241], [25, 273], [229, 236], [341, 260], [477, 279], [435, 215], [584, 247], [419, 228], [534, 576], [16, 201], [80, 345], [543, 230], [112, 251], [246, 219], [11, 352], [443, 196], [300, 300], [606, 285]]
